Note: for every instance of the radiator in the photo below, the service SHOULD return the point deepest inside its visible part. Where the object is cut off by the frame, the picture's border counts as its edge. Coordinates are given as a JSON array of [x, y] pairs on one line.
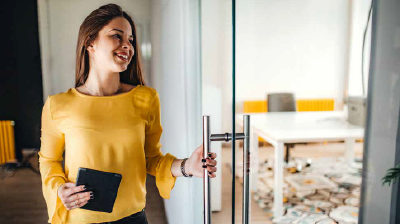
[[7, 142], [259, 106], [315, 104]]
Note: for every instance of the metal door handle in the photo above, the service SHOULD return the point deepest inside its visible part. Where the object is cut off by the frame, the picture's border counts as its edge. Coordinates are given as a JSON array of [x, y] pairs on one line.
[[207, 138], [206, 179]]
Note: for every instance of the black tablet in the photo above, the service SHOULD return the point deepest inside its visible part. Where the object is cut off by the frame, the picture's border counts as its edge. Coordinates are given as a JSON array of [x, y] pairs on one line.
[[104, 186]]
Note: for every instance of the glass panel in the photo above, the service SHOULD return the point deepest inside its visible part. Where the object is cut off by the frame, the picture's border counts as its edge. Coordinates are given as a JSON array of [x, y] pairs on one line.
[[298, 74], [216, 29]]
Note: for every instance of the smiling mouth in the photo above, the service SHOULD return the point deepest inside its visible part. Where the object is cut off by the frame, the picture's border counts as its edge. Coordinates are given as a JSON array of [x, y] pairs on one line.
[[122, 57]]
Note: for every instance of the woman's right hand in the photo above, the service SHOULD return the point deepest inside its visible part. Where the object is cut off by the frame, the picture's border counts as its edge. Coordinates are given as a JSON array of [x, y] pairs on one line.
[[71, 200]]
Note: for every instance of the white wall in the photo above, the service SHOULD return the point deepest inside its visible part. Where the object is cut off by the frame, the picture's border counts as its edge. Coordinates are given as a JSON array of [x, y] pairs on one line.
[[176, 76], [59, 23], [291, 45], [287, 45]]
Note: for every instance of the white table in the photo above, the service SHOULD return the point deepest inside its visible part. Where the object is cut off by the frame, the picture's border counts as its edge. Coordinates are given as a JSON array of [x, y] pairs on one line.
[[279, 128]]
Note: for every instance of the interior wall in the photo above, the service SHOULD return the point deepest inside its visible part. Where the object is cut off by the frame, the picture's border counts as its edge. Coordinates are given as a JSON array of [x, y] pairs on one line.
[[176, 76], [294, 46]]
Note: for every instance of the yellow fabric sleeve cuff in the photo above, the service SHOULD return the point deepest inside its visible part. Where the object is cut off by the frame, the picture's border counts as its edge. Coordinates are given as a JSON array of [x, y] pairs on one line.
[[164, 179]]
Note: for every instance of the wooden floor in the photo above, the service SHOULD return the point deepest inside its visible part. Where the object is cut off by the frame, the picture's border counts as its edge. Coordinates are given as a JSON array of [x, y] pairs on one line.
[[22, 202]]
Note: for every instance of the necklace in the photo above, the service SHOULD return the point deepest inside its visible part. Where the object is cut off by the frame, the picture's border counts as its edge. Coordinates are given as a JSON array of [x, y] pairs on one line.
[[120, 86]]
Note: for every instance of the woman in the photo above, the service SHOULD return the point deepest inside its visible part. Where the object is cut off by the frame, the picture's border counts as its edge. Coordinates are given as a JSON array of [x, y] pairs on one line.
[[110, 122]]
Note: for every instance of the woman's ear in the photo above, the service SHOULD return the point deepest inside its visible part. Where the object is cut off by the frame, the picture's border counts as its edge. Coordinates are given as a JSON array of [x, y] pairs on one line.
[[90, 48]]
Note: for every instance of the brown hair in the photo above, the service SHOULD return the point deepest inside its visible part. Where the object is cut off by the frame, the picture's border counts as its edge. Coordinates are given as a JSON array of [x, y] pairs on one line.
[[88, 32]]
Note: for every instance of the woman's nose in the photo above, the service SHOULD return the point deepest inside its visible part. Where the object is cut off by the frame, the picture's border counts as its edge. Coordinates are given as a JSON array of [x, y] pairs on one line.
[[126, 45]]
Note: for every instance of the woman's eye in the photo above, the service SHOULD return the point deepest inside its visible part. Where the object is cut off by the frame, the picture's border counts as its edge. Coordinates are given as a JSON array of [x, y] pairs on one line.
[[119, 37]]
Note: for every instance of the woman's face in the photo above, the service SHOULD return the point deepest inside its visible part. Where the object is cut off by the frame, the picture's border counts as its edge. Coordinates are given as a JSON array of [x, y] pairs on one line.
[[112, 50]]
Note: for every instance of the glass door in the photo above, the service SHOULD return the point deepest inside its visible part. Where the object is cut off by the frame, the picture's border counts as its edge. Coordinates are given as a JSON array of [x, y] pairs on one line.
[[296, 68]]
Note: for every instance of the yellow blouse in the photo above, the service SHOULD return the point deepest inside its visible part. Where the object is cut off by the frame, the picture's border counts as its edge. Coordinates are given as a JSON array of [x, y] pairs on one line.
[[119, 134]]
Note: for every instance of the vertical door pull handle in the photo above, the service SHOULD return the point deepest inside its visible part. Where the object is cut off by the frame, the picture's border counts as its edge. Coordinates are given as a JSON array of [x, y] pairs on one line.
[[207, 138]]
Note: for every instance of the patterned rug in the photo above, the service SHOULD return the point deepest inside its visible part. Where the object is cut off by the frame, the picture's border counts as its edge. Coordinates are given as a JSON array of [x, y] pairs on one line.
[[316, 191]]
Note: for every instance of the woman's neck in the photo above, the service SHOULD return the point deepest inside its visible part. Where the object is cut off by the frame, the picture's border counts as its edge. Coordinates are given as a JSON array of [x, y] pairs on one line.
[[103, 83]]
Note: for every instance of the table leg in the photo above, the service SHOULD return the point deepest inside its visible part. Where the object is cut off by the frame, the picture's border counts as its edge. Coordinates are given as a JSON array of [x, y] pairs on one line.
[[349, 154], [278, 173]]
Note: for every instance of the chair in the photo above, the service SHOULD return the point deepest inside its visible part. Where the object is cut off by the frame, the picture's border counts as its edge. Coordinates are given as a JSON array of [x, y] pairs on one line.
[[281, 102]]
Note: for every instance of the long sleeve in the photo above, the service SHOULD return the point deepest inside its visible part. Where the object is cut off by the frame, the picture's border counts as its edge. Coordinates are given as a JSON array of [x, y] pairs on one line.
[[50, 157], [157, 164]]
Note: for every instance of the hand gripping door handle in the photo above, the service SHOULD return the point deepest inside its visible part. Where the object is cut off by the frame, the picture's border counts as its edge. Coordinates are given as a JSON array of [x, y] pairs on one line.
[[207, 138]]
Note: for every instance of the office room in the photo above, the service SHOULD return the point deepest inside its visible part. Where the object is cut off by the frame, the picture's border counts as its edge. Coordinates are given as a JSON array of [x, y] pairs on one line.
[[310, 89]]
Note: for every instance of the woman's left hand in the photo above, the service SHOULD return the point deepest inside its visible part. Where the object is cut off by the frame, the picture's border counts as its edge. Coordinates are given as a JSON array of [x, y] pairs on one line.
[[196, 164]]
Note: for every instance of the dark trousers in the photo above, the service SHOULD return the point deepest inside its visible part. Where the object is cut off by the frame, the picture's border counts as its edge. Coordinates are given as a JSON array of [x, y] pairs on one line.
[[136, 218]]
